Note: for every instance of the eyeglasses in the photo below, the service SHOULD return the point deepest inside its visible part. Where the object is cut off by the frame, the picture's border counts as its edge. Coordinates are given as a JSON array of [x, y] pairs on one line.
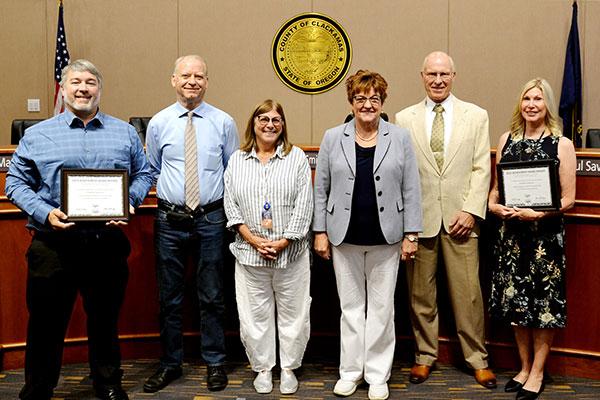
[[444, 76], [360, 100], [264, 120]]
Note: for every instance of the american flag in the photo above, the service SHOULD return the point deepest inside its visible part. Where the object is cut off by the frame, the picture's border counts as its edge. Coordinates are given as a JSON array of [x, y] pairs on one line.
[[61, 60]]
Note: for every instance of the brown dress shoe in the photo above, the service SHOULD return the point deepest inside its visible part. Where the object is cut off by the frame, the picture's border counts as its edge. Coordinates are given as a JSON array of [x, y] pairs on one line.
[[486, 378], [419, 373]]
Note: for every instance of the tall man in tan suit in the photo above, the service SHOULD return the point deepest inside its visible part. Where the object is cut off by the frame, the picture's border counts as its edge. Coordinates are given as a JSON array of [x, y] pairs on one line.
[[451, 141]]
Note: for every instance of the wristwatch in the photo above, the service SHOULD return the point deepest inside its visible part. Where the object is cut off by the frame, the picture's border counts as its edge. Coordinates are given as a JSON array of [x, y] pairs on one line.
[[412, 238]]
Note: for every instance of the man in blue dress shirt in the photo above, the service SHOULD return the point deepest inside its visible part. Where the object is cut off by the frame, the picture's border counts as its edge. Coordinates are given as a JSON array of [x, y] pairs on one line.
[[65, 257], [188, 145]]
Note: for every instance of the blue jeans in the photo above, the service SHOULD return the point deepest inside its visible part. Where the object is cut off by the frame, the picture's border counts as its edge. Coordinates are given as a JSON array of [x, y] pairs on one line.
[[203, 241]]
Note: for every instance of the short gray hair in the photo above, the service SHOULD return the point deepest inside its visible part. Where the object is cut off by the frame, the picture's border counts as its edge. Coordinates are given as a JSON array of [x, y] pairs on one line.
[[193, 57], [81, 65]]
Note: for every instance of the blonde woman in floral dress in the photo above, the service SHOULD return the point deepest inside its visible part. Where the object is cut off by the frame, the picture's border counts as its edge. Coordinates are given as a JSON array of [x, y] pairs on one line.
[[528, 282]]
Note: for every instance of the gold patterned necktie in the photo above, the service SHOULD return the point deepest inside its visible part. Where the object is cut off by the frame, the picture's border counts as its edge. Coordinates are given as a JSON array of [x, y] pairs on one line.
[[437, 136], [192, 184]]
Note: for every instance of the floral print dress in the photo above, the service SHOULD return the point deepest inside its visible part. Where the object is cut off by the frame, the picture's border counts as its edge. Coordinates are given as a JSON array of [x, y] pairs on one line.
[[528, 281]]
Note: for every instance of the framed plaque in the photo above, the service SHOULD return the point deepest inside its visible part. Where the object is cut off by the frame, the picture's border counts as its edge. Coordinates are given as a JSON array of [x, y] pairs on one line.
[[529, 184], [95, 194]]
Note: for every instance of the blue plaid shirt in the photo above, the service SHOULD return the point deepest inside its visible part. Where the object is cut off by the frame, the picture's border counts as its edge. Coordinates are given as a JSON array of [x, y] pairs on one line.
[[33, 178]]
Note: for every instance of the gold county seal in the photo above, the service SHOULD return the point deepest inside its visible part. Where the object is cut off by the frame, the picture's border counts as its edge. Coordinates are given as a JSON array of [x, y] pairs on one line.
[[311, 53]]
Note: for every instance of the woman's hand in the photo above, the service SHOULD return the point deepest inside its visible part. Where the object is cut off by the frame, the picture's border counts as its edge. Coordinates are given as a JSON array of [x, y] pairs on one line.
[[527, 214], [275, 247], [501, 211], [322, 246], [409, 249], [262, 245]]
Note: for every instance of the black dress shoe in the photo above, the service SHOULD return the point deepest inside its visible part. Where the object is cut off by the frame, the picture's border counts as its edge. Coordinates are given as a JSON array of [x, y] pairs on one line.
[[161, 379], [216, 378], [525, 394], [512, 386], [110, 392]]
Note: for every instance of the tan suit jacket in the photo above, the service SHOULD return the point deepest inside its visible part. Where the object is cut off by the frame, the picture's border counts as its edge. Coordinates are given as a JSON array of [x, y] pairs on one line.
[[461, 184], [464, 180]]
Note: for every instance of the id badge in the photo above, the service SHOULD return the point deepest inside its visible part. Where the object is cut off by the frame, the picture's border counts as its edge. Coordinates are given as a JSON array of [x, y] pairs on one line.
[[266, 216]]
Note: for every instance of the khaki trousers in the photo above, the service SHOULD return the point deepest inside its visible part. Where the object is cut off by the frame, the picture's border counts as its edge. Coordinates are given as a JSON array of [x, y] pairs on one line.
[[461, 260]]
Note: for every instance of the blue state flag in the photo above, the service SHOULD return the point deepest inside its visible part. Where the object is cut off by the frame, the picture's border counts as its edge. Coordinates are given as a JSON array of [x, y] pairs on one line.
[[570, 97]]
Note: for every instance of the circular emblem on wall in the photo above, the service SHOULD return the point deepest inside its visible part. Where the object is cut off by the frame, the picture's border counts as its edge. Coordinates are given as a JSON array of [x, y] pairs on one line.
[[311, 53]]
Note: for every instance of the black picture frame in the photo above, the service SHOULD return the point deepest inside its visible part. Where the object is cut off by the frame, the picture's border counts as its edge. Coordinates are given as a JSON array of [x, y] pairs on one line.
[[535, 182], [101, 190]]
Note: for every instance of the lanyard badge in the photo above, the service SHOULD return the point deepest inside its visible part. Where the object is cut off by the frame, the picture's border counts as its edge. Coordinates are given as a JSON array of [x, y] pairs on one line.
[[267, 218]]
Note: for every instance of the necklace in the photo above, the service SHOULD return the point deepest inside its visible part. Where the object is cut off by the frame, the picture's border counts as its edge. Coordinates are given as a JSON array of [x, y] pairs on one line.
[[538, 139], [363, 139], [529, 149]]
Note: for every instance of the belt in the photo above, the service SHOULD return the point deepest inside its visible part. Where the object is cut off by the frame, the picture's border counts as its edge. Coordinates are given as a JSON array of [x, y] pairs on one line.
[[166, 206]]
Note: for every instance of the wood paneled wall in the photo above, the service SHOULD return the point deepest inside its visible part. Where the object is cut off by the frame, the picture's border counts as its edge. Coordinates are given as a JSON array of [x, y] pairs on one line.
[[497, 46]]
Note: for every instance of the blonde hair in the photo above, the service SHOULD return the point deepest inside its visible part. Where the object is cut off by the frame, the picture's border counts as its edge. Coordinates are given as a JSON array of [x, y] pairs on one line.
[[552, 120], [250, 135]]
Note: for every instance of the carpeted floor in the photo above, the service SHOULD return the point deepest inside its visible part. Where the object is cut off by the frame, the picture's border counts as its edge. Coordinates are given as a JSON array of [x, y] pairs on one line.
[[316, 382]]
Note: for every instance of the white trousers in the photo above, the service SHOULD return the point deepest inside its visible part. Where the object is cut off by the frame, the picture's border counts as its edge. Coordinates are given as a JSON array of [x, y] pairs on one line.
[[260, 292], [366, 281]]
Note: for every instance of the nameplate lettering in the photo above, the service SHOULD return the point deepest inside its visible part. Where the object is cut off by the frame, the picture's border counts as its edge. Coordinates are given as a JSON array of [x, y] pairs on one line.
[[585, 166], [311, 157], [588, 166], [5, 163]]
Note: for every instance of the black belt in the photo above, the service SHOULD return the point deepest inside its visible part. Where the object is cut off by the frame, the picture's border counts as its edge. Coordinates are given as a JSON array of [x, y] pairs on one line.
[[166, 206]]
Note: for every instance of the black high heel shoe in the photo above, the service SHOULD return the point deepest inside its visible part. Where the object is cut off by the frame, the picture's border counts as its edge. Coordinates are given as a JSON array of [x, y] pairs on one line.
[[525, 394], [513, 386]]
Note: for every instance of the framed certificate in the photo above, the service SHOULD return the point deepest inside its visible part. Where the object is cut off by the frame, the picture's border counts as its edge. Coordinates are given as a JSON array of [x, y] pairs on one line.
[[529, 184], [95, 194]]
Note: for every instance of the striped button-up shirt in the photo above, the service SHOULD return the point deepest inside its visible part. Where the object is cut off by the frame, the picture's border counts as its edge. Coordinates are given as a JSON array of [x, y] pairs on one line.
[[285, 182]]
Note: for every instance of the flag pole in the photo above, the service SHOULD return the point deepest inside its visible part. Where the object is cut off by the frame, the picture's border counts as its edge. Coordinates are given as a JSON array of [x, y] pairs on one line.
[[61, 59]]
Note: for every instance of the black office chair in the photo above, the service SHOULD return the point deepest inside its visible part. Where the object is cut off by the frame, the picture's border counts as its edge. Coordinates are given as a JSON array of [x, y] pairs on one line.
[[140, 124], [17, 129], [592, 139], [349, 117]]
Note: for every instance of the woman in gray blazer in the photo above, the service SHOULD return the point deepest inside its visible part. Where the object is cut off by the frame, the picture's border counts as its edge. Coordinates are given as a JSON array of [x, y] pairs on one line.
[[367, 215]]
